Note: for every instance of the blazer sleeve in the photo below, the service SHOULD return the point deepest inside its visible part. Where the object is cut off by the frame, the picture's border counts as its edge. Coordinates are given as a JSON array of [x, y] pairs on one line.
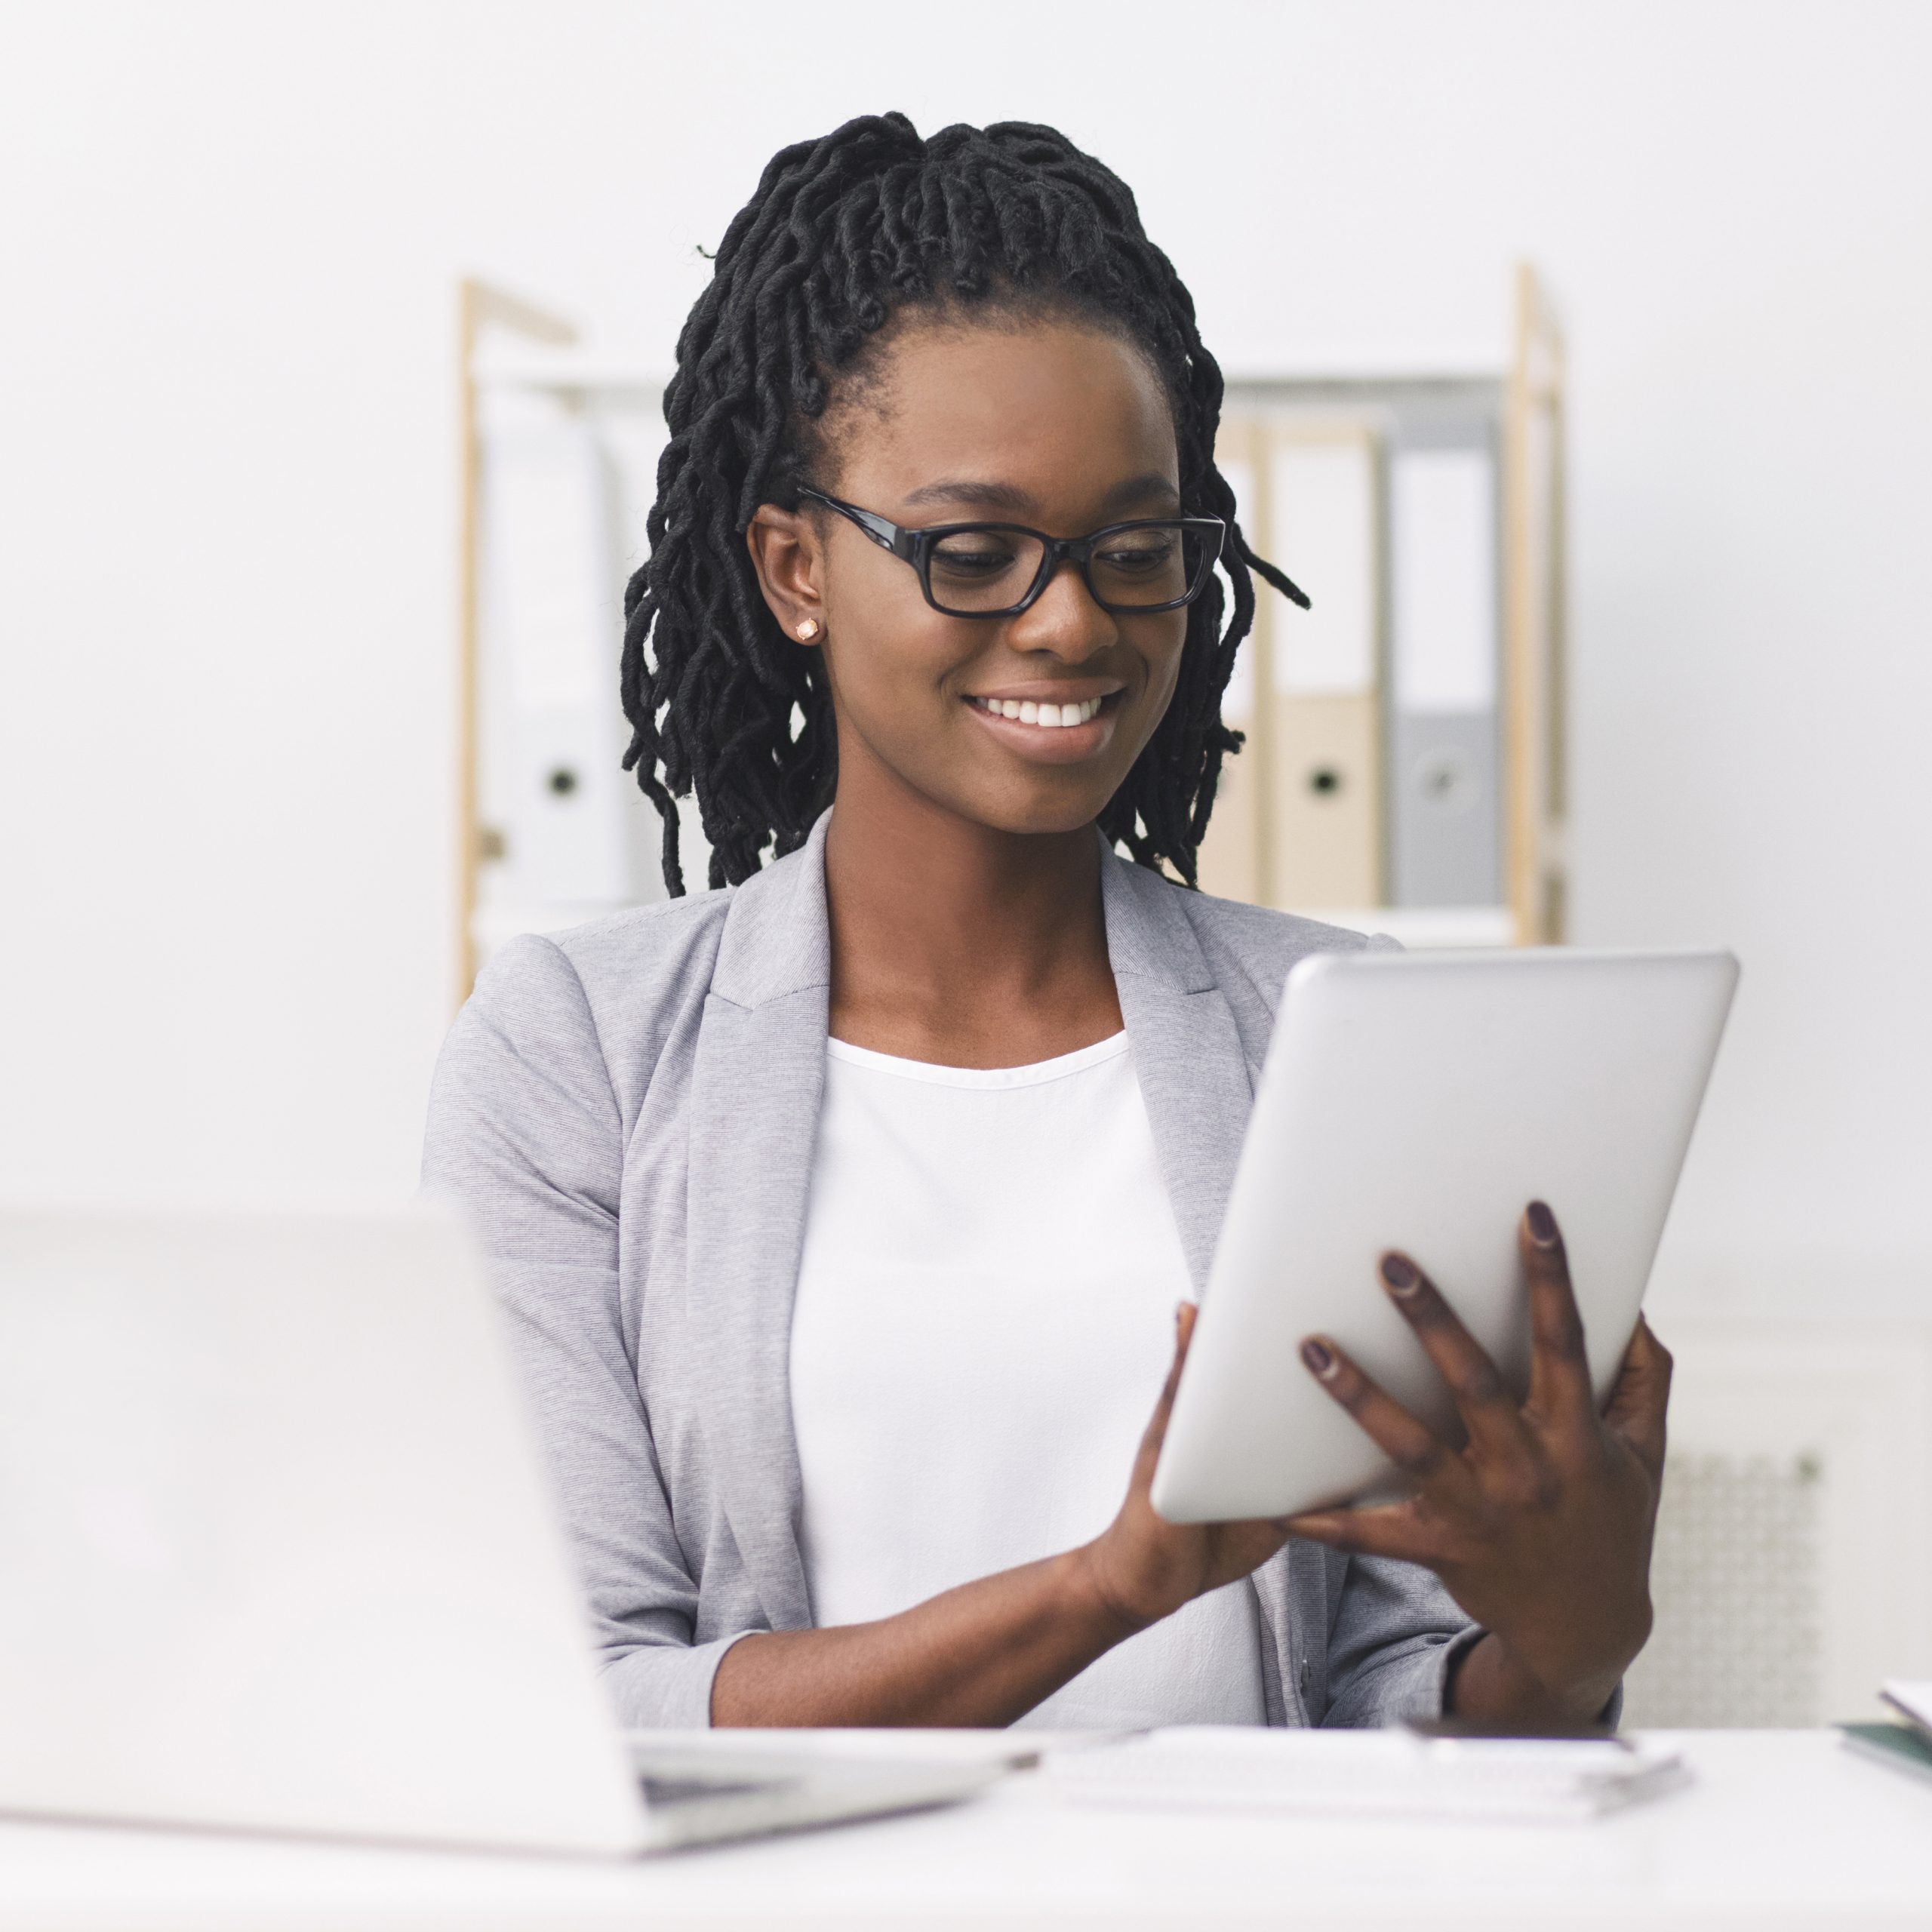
[[525, 1133], [1396, 1635]]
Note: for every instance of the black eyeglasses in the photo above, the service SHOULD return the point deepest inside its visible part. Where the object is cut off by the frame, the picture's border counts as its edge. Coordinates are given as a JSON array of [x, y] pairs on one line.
[[998, 569]]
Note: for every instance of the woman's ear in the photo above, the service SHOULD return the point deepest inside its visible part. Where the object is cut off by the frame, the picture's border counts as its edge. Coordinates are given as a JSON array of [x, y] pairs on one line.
[[789, 557]]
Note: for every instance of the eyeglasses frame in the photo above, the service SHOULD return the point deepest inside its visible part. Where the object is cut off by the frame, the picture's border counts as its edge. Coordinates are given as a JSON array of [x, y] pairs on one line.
[[915, 547]]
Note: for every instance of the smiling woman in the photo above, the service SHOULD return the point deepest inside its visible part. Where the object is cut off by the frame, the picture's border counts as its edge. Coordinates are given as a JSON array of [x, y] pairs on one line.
[[873, 273], [847, 1218], [938, 673]]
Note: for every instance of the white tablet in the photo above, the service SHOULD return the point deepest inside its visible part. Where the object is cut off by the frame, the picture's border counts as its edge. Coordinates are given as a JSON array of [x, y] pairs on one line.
[[1421, 1102]]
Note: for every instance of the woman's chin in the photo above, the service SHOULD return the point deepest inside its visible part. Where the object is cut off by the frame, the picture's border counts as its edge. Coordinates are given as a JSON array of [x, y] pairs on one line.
[[1033, 817]]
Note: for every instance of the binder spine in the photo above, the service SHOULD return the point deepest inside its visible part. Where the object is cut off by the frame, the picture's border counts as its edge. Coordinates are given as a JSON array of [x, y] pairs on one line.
[[1326, 820], [1443, 734]]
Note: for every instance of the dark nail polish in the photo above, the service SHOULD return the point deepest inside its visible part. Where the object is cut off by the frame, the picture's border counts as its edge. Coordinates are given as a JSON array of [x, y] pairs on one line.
[[1542, 1225], [1399, 1273], [1319, 1358]]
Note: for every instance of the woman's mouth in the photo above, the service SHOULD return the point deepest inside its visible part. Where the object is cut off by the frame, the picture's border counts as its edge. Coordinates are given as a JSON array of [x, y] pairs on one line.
[[1066, 729], [1047, 717]]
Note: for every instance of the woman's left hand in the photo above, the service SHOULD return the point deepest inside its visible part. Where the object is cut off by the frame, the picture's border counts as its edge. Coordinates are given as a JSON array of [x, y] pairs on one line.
[[1540, 1526]]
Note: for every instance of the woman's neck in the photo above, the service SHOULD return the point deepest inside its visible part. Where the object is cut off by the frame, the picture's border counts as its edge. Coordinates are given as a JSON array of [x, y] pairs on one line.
[[958, 944]]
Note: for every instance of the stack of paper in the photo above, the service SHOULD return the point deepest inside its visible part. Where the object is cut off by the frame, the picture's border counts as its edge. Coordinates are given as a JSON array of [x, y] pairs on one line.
[[1907, 1746], [1368, 1772], [1913, 1702]]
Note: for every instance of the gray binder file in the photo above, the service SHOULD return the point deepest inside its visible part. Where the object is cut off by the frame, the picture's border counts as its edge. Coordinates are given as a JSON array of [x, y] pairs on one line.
[[1443, 726]]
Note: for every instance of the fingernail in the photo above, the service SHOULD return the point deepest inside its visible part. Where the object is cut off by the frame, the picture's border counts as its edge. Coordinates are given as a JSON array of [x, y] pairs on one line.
[[1400, 1275], [1319, 1358], [1542, 1225]]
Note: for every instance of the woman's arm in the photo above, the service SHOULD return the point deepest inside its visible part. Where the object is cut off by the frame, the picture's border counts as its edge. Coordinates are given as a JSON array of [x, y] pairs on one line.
[[524, 1130], [984, 1653], [988, 1652]]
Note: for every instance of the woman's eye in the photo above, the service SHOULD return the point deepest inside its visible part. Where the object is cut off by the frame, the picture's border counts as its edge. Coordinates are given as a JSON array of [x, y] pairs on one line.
[[1139, 559], [972, 557]]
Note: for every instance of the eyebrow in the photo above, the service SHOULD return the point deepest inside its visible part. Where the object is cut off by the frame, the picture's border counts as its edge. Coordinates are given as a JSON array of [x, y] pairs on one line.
[[985, 496], [994, 496]]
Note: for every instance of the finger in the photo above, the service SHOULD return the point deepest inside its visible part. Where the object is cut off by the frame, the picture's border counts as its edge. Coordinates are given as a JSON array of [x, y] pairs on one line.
[[1412, 1446], [1489, 1411], [1156, 1431], [1640, 1399], [1393, 1529], [1559, 1370], [1185, 1314]]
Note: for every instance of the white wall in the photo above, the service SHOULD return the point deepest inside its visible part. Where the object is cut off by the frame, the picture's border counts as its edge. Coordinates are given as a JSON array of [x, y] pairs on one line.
[[226, 500]]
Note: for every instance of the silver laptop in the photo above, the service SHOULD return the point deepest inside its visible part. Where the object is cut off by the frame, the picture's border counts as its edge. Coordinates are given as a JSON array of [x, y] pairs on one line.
[[276, 1553]]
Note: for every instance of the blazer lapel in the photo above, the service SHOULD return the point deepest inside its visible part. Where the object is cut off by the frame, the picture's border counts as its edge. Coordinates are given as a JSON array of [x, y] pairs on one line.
[[1198, 1089], [757, 1085], [1187, 1054]]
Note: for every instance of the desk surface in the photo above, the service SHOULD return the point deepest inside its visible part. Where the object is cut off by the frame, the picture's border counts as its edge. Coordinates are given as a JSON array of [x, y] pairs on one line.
[[1778, 1829]]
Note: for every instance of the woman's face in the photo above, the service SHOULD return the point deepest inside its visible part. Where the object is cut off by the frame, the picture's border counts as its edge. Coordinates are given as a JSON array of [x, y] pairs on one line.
[[1050, 425]]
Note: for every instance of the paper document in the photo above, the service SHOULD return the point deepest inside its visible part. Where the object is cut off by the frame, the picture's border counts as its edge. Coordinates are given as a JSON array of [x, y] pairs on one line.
[[1913, 1702], [1387, 1773], [1900, 1747]]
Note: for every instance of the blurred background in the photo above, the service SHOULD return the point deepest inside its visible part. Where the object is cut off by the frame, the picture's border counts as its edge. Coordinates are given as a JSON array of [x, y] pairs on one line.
[[231, 510]]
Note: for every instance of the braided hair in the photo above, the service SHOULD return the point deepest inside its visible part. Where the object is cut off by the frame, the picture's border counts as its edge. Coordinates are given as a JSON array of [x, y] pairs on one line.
[[844, 234]]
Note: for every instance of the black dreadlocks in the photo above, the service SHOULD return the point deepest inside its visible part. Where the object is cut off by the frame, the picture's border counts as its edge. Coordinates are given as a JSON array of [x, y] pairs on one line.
[[843, 233]]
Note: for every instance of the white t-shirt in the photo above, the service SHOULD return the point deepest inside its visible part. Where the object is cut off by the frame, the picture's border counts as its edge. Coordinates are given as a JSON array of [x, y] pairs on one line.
[[985, 1316]]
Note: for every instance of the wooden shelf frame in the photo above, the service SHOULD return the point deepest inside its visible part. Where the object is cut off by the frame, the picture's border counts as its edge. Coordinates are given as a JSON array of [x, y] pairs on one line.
[[481, 307], [1534, 643]]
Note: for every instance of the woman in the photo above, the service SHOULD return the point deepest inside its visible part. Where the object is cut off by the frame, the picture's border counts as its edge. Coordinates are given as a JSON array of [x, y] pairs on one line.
[[849, 1219]]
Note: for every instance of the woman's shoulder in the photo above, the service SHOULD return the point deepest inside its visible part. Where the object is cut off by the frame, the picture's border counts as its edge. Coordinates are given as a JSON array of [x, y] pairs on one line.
[[1261, 940], [654, 946], [1248, 950], [1267, 938], [1262, 945], [608, 990], [649, 943]]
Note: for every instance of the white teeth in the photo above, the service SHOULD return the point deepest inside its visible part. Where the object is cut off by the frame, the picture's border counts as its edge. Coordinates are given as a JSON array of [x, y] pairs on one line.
[[1052, 716]]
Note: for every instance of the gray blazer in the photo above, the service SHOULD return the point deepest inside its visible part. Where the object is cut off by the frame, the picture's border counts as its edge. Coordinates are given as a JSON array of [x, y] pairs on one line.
[[628, 1111]]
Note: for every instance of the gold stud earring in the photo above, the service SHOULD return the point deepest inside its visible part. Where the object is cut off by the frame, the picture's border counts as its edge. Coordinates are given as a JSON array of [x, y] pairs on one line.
[[808, 630]]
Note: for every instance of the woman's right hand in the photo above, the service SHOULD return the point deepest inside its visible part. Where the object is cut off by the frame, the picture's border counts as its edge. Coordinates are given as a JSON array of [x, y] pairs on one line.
[[1143, 1567], [989, 1651]]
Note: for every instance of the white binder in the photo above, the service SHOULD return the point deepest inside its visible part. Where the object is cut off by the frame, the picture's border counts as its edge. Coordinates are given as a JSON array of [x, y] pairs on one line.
[[1444, 834], [574, 839]]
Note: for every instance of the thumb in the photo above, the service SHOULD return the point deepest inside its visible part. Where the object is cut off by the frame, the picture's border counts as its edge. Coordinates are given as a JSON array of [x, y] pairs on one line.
[[1157, 1424], [1640, 1397], [1185, 1314]]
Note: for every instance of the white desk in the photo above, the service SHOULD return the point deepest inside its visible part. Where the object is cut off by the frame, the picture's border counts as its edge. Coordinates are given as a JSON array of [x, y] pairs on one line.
[[1780, 1830]]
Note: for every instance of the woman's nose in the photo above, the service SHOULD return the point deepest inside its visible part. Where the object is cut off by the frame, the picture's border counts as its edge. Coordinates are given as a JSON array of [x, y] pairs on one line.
[[1064, 620]]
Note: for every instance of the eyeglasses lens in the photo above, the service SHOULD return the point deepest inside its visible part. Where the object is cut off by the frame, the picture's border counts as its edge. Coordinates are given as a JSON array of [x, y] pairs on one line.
[[1154, 564], [974, 572]]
